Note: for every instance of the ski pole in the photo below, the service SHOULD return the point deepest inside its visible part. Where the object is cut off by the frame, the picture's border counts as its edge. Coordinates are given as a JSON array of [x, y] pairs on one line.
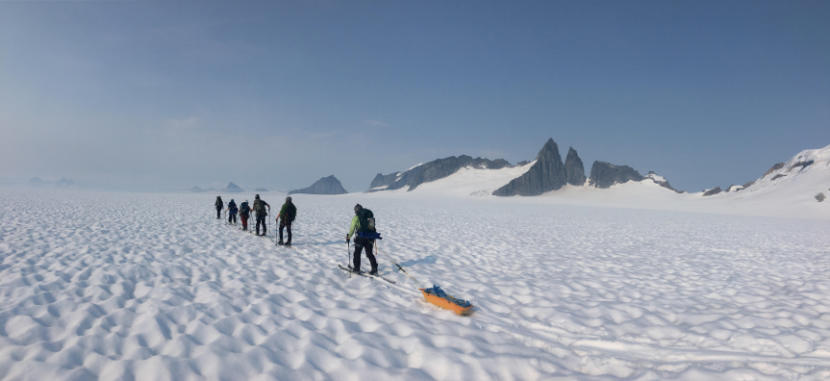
[[348, 255], [398, 265]]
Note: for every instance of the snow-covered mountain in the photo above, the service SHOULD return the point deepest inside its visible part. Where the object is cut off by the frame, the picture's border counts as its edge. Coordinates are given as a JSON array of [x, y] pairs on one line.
[[431, 171], [464, 175], [799, 187], [804, 179]]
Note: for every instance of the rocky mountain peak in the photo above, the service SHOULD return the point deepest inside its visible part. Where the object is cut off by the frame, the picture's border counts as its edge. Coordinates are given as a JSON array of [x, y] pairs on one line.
[[574, 169], [547, 174], [604, 174], [325, 185]]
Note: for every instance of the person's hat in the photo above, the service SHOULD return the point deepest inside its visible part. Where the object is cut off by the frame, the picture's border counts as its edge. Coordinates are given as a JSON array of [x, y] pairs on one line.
[[357, 207]]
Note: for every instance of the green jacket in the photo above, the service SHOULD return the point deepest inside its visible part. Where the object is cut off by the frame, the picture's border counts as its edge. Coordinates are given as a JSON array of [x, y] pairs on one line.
[[354, 227]]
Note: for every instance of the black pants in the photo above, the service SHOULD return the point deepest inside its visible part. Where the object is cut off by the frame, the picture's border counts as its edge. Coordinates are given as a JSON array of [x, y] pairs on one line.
[[218, 213], [359, 244], [287, 225], [232, 218], [260, 219]]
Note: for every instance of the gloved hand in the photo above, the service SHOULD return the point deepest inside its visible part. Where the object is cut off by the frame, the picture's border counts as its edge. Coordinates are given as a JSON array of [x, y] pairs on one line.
[[347, 238]]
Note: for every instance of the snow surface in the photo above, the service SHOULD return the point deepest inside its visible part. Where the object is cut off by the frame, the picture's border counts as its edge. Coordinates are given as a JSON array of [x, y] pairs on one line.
[[152, 287]]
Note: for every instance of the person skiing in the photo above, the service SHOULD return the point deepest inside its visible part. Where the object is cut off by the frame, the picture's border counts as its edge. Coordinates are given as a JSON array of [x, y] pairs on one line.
[[261, 213], [232, 209], [244, 212], [363, 223], [219, 205], [287, 214]]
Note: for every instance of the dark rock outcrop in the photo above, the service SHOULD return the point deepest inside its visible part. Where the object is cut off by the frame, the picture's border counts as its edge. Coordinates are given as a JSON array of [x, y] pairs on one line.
[[434, 170], [233, 188], [802, 164], [604, 175], [778, 176], [820, 197], [382, 180], [547, 174], [326, 185], [574, 169], [713, 191], [774, 168]]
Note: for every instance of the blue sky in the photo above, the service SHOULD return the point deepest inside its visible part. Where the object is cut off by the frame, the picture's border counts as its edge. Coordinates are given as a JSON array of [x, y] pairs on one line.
[[152, 95]]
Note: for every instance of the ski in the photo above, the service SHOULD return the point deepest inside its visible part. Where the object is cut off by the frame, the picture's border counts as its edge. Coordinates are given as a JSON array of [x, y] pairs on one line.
[[344, 268]]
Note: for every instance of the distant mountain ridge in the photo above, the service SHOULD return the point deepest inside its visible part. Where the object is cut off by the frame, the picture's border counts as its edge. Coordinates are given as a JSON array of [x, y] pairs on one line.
[[325, 185], [233, 188], [431, 171], [548, 173], [63, 182]]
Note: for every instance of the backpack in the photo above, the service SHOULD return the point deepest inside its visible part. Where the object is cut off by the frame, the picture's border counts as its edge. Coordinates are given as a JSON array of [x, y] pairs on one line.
[[366, 220], [290, 212], [259, 208], [244, 208]]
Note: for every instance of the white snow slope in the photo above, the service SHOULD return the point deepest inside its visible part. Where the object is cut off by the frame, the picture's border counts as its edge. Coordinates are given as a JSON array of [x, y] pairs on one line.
[[120, 286], [795, 184]]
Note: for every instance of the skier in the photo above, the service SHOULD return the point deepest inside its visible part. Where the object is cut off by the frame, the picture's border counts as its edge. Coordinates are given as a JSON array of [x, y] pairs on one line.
[[219, 205], [287, 214], [244, 212], [259, 209], [364, 223], [232, 209]]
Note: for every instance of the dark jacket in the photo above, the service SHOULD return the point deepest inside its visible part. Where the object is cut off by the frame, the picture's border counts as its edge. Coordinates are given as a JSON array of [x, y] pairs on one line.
[[259, 207], [288, 212], [219, 204]]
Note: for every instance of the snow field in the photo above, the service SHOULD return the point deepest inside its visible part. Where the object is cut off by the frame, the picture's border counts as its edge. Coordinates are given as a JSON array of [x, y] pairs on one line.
[[153, 287]]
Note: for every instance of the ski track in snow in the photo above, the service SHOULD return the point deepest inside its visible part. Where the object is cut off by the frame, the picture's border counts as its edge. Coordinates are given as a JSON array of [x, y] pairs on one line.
[[151, 287]]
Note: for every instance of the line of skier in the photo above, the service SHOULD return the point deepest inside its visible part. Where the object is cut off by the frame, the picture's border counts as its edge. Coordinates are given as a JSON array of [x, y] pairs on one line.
[[362, 226], [260, 209]]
